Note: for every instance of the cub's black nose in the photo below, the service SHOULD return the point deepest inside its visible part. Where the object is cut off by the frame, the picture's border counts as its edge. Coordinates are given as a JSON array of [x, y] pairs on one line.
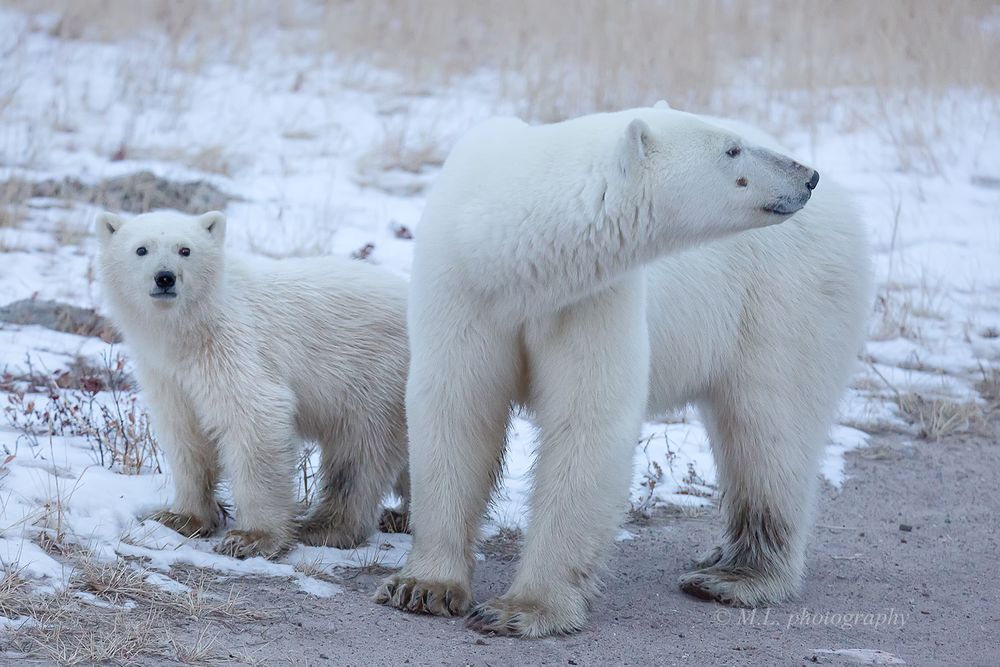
[[165, 279], [813, 181]]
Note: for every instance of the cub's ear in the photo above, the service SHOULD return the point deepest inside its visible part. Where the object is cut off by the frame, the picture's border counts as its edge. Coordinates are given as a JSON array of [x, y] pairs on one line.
[[636, 144], [662, 104], [214, 223], [107, 224]]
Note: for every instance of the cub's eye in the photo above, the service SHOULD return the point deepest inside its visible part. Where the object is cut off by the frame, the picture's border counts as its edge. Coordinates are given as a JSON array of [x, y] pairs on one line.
[[184, 252], [141, 250], [733, 152]]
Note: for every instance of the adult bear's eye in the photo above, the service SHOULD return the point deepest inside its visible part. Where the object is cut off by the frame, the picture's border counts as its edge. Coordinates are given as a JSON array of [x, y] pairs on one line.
[[184, 252], [733, 152], [141, 250]]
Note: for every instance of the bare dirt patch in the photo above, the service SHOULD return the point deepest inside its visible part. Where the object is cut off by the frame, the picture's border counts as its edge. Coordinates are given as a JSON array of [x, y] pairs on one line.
[[61, 317], [134, 193]]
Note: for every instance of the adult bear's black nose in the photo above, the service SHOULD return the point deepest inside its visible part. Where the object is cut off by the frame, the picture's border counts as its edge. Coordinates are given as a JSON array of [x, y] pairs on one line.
[[813, 181], [165, 279]]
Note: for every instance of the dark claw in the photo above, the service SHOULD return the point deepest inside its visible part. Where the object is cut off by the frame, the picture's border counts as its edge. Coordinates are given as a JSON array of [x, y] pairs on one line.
[[402, 595], [694, 589], [383, 594], [480, 618]]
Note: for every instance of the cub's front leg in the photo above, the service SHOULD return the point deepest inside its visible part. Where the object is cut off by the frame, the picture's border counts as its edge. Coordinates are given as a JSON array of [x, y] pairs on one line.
[[258, 446], [192, 455]]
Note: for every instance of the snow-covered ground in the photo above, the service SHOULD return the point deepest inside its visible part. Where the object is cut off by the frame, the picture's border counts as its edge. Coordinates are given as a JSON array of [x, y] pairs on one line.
[[320, 161]]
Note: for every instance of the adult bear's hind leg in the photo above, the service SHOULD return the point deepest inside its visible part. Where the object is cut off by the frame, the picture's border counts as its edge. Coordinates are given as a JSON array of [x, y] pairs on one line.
[[766, 445]]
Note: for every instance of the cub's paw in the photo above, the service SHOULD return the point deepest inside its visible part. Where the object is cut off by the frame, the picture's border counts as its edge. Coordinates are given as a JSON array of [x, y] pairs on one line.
[[188, 525], [250, 543], [736, 586], [424, 597], [320, 533], [394, 521]]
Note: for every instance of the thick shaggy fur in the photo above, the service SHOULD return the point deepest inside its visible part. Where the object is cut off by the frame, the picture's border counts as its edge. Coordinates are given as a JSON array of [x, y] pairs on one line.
[[252, 356], [556, 267]]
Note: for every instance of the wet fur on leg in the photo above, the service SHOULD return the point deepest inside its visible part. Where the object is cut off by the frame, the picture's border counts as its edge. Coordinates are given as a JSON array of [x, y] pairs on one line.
[[754, 567]]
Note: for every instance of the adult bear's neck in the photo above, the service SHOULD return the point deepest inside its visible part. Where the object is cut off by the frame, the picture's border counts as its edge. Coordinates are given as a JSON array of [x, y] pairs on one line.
[[588, 240]]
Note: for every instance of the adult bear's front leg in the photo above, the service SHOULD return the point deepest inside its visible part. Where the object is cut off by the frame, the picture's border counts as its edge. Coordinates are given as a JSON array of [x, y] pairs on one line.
[[462, 380], [589, 367]]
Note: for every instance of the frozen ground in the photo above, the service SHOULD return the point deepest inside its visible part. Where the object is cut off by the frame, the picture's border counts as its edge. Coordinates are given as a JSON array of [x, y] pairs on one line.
[[318, 160]]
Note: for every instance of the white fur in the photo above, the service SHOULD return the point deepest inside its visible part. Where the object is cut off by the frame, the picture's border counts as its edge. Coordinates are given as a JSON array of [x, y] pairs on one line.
[[251, 357], [555, 267]]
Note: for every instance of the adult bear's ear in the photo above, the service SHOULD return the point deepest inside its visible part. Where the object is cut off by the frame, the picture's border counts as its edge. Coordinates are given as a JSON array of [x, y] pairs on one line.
[[636, 144], [214, 223], [107, 224]]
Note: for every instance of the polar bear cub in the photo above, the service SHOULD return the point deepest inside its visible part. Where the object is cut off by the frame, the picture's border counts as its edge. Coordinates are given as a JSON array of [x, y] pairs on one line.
[[601, 271], [242, 358]]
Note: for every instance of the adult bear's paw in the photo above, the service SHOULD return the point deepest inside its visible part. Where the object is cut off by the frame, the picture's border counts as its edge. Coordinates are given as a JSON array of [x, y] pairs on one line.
[[517, 617], [739, 587], [424, 597]]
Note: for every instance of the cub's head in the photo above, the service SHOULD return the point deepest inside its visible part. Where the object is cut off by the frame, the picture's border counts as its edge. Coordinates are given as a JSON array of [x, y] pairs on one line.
[[160, 262], [700, 181]]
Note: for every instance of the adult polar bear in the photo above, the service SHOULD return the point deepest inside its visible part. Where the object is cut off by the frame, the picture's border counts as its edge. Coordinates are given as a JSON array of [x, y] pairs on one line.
[[551, 271]]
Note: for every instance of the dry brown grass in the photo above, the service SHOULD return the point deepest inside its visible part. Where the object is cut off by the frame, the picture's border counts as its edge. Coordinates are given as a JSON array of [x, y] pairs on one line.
[[685, 45], [313, 568], [899, 309], [67, 639], [11, 215], [889, 66], [110, 612], [405, 149], [65, 629], [566, 57], [989, 386], [937, 418], [200, 652], [12, 196], [71, 231], [212, 159], [123, 580], [14, 590]]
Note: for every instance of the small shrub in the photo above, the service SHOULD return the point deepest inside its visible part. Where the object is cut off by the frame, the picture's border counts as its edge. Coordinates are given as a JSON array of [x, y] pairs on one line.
[[115, 425]]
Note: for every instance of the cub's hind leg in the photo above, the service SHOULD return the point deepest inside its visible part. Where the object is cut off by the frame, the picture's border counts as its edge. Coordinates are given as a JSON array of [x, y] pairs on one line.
[[358, 468]]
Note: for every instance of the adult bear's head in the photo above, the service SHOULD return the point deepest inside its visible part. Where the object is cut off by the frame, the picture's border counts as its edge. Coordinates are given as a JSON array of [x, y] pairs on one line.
[[699, 181]]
